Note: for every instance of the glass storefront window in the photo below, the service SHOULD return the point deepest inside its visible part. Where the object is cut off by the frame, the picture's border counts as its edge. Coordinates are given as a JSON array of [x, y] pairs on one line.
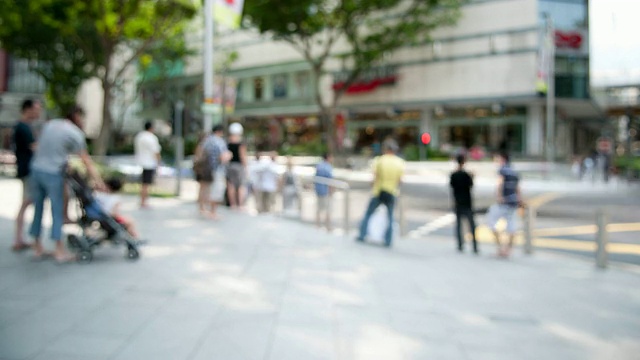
[[301, 85], [280, 86], [22, 79], [479, 111], [566, 14], [258, 89], [572, 65], [489, 137]]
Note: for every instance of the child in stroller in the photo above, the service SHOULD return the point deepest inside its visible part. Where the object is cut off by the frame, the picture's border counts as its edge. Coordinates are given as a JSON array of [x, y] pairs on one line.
[[109, 203], [100, 219]]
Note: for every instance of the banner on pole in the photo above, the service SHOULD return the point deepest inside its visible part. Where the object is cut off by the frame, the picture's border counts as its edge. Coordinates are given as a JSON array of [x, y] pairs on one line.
[[228, 13], [545, 57], [225, 90]]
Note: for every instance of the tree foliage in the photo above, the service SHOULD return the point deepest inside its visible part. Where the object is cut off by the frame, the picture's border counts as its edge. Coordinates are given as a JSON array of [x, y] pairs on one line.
[[99, 38], [39, 32], [372, 30]]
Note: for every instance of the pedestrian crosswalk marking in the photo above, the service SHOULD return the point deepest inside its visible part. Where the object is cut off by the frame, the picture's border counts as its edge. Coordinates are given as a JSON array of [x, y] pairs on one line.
[[432, 226]]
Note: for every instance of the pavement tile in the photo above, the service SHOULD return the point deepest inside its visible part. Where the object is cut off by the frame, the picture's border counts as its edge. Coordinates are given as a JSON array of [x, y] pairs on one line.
[[440, 350], [13, 309], [115, 320], [49, 355], [88, 345], [303, 342], [248, 338], [168, 336], [424, 325], [263, 287], [37, 329]]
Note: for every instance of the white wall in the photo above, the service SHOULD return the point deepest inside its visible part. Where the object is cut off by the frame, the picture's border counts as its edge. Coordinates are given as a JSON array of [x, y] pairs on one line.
[[495, 76], [257, 50], [90, 99]]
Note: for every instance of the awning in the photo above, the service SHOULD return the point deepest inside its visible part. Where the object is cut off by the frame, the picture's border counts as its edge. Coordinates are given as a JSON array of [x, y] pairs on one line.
[[580, 109]]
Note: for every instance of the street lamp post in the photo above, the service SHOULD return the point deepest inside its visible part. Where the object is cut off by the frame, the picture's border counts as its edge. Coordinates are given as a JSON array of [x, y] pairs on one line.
[[551, 92], [179, 110], [208, 63]]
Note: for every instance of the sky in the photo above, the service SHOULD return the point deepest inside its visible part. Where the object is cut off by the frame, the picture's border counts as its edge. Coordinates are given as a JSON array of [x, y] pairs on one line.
[[615, 42]]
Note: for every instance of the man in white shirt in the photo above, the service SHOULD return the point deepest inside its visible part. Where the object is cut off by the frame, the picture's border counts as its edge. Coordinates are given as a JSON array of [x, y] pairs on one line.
[[147, 150], [268, 183]]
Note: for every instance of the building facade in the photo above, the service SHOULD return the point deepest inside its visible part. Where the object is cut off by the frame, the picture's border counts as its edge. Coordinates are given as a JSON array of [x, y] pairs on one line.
[[17, 82], [475, 85]]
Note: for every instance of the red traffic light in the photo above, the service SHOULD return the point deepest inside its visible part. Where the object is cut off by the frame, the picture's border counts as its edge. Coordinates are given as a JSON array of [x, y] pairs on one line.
[[425, 138]]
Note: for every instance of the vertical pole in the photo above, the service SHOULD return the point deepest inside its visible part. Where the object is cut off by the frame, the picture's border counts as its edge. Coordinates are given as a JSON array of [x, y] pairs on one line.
[[208, 62], [602, 258], [346, 211], [551, 91], [529, 225], [179, 109], [630, 139], [401, 220], [300, 199], [223, 103]]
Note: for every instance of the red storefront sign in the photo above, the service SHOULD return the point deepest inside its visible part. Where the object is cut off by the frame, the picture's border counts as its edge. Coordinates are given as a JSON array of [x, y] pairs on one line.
[[569, 39], [366, 86], [368, 82]]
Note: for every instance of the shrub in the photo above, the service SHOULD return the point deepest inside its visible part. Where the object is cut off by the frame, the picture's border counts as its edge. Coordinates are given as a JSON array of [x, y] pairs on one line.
[[412, 153]]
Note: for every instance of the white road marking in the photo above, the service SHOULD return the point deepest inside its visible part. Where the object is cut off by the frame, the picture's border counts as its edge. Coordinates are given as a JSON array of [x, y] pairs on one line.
[[428, 228]]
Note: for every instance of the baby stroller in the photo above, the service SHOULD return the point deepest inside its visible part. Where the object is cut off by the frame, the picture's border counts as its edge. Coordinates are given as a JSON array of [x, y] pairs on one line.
[[97, 226]]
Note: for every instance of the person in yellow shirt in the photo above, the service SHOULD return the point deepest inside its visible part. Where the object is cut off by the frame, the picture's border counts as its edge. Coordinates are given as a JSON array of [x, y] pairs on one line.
[[387, 175]]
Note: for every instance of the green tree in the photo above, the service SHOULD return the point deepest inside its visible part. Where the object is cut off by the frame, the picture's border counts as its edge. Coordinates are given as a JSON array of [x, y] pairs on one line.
[[36, 31], [372, 29], [102, 38], [158, 63]]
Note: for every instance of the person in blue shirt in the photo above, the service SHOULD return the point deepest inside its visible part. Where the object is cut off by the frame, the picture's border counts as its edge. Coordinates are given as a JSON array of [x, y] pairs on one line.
[[324, 191], [509, 199]]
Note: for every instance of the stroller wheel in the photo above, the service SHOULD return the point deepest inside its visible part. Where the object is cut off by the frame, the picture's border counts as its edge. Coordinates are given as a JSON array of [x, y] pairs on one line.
[[85, 256], [133, 253]]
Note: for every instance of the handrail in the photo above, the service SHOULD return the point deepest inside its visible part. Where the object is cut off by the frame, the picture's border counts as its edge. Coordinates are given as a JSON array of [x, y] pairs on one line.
[[342, 185], [334, 183]]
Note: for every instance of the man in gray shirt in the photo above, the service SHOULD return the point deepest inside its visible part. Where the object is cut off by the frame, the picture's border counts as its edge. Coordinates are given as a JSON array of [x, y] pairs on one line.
[[59, 139]]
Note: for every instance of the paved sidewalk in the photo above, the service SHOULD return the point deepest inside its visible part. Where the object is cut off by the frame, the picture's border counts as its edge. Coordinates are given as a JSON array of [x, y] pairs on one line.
[[268, 288]]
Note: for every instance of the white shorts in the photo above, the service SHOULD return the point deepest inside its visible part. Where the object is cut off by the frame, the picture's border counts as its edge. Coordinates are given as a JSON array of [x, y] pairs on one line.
[[506, 212], [324, 204]]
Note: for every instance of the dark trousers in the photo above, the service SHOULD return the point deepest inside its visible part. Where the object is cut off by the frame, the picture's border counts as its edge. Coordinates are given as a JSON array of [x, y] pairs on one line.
[[462, 213], [387, 200]]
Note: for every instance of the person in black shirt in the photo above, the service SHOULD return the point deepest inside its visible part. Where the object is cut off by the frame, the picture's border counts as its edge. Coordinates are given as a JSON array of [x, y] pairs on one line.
[[237, 167], [461, 184], [25, 143]]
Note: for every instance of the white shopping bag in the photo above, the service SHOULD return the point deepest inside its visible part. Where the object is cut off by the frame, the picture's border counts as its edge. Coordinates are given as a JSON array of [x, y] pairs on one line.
[[219, 185], [377, 226]]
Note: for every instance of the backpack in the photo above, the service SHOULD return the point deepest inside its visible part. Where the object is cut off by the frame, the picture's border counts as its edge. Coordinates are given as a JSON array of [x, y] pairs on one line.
[[202, 165]]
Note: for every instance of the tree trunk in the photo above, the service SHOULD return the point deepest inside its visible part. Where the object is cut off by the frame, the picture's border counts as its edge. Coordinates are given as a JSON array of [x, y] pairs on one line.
[[326, 113], [328, 128], [102, 142]]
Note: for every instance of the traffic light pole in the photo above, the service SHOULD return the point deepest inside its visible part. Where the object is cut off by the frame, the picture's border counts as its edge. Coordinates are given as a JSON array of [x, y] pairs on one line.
[[551, 93], [178, 111], [208, 63]]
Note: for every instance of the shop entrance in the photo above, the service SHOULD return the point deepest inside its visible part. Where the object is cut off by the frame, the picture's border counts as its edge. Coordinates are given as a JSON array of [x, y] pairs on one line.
[[368, 139], [490, 136]]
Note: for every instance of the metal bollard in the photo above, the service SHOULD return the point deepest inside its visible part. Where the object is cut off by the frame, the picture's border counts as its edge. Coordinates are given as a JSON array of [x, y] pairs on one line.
[[529, 226], [602, 239], [401, 218], [346, 212]]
